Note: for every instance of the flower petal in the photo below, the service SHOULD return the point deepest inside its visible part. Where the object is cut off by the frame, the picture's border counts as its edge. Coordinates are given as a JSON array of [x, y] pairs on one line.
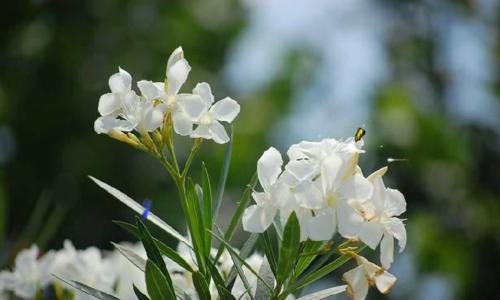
[[120, 82], [176, 75], [356, 187], [387, 251], [309, 196], [148, 89], [225, 110], [152, 117], [269, 167], [395, 203], [302, 169], [357, 284], [348, 219], [108, 104], [176, 55], [107, 123], [321, 227], [329, 172], [397, 229], [384, 282], [182, 123], [202, 131], [205, 92], [192, 105], [371, 233], [258, 218], [218, 133]]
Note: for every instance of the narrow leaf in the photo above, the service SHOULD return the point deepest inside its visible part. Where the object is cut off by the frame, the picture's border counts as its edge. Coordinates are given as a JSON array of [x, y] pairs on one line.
[[310, 247], [140, 295], [207, 207], [201, 286], [265, 241], [131, 256], [196, 227], [262, 292], [245, 251], [325, 293], [289, 249], [140, 209], [157, 285], [223, 176], [87, 289]]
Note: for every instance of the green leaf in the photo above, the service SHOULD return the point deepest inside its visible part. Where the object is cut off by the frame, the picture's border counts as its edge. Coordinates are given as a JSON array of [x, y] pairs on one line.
[[207, 207], [265, 272], [156, 283], [164, 249], [196, 226], [140, 209], [152, 250], [131, 256], [245, 251], [223, 175], [265, 241], [140, 295], [225, 294], [201, 286], [322, 272], [310, 248], [237, 261], [87, 289], [237, 215], [325, 293], [289, 250]]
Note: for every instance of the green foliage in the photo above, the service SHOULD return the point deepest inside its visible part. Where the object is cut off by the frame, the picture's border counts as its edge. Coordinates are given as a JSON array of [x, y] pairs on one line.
[[158, 286]]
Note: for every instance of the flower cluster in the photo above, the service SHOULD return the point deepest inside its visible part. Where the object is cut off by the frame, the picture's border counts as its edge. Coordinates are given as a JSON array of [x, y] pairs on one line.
[[161, 104], [323, 184]]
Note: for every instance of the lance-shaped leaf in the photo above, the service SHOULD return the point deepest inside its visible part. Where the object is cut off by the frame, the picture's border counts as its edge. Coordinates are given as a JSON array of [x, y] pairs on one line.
[[140, 295], [87, 289], [244, 253], [201, 286], [265, 241], [265, 272], [308, 254], [140, 209], [207, 207], [325, 293], [289, 250], [131, 256], [223, 176], [156, 283]]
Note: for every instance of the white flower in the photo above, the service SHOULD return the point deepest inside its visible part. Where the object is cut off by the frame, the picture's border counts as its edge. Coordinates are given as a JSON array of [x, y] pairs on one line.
[[259, 216], [367, 274], [327, 196], [379, 213], [208, 116], [120, 85], [29, 274]]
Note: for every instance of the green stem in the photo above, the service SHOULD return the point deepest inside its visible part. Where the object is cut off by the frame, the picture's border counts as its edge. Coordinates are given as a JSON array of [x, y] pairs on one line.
[[194, 151]]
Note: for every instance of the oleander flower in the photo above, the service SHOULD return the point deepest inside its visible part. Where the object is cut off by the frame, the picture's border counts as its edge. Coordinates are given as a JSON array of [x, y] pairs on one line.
[[29, 273], [209, 116], [367, 274], [380, 212], [259, 216]]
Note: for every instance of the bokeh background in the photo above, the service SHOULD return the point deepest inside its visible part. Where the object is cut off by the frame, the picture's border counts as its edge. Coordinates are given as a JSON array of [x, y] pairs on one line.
[[422, 76]]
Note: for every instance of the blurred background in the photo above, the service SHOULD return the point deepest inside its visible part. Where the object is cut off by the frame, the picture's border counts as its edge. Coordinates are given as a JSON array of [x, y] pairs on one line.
[[421, 76]]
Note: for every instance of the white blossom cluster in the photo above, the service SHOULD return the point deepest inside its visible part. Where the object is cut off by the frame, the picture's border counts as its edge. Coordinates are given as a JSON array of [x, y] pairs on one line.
[[192, 114], [323, 184], [109, 272]]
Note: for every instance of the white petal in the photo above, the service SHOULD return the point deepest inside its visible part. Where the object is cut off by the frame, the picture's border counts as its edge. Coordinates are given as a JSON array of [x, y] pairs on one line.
[[148, 89], [259, 197], [205, 92], [321, 227], [309, 196], [202, 131], [384, 282], [153, 118], [192, 105], [379, 173], [176, 55], [387, 251], [225, 110], [182, 123], [349, 221], [302, 169], [120, 82], [357, 284], [176, 75], [108, 104], [258, 218], [269, 168], [371, 233], [356, 187], [397, 229], [395, 203], [218, 133], [329, 171], [108, 123]]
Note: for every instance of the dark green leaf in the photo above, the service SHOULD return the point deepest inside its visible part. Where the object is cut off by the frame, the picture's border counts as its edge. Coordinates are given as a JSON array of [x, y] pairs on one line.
[[289, 250], [201, 286], [223, 175], [207, 207], [265, 241], [310, 249], [157, 285], [196, 226], [140, 295]]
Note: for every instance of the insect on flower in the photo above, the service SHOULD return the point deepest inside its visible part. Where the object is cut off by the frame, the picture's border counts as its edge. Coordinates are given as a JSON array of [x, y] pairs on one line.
[[147, 206], [360, 133]]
